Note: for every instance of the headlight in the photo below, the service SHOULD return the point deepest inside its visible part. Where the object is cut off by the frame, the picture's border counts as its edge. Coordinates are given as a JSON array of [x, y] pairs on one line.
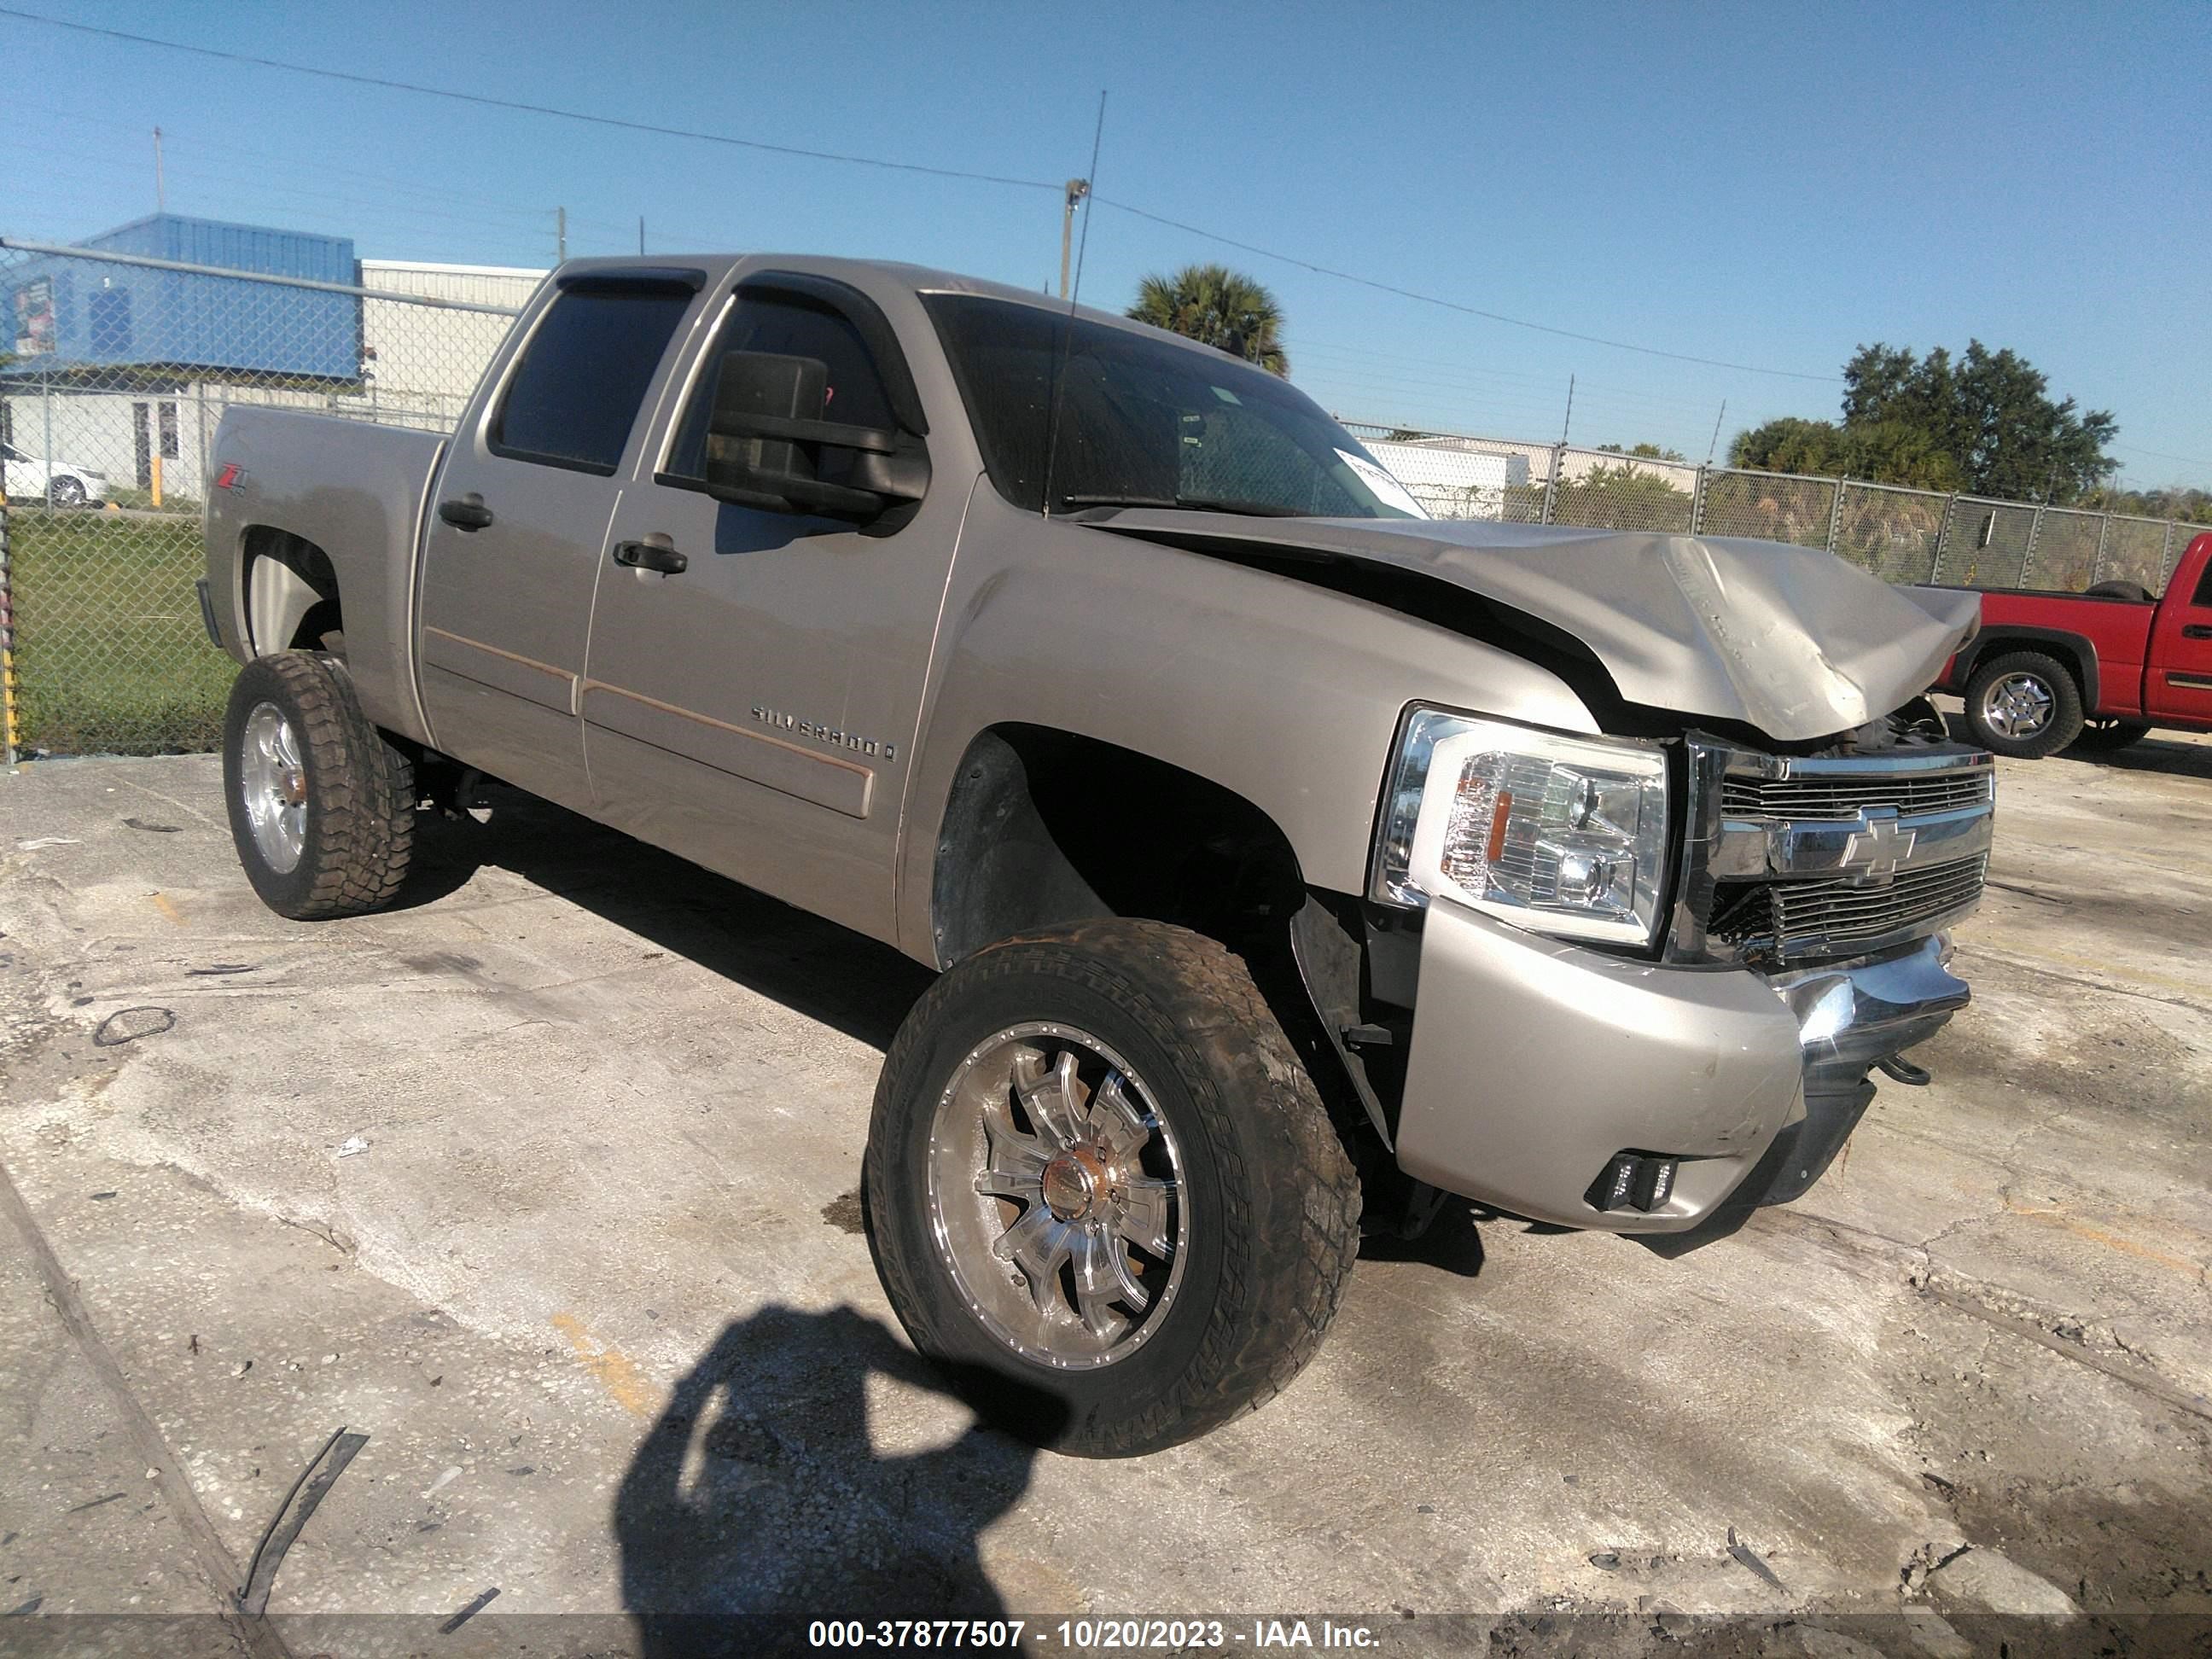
[[1564, 836]]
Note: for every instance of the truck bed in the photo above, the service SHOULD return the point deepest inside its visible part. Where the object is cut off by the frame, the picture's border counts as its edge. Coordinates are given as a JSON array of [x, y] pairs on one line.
[[370, 522], [2116, 630]]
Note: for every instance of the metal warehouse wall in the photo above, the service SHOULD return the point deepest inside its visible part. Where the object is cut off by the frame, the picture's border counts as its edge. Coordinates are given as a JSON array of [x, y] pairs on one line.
[[116, 316], [235, 247]]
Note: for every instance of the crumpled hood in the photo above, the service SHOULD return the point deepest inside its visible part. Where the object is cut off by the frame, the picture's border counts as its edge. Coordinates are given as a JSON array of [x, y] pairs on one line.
[[1791, 640]]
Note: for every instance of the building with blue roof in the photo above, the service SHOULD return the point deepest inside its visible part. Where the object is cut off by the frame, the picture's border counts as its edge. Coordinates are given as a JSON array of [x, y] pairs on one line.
[[78, 319]]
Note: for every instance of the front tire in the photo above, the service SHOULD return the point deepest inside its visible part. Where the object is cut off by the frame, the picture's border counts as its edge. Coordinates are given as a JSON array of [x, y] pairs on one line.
[[1102, 1190], [322, 808], [65, 491], [2023, 704]]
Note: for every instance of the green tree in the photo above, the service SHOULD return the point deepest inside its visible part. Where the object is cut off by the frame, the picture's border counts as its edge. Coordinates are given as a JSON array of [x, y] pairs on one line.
[[1222, 308], [1984, 422], [1623, 498], [1990, 412], [1893, 452], [2190, 505], [1644, 453]]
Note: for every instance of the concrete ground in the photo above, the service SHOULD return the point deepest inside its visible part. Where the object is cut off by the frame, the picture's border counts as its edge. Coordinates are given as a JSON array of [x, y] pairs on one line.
[[547, 1184]]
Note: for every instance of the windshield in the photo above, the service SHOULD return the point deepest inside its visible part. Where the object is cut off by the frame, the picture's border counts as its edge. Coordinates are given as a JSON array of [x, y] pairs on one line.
[[1146, 422]]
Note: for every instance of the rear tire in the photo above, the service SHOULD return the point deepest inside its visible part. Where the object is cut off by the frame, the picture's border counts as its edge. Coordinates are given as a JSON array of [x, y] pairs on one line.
[[2024, 704], [2135, 591], [322, 808], [1076, 1309]]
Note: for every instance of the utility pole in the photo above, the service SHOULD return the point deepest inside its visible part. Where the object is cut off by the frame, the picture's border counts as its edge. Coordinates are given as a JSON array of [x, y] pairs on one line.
[[640, 234], [560, 235], [1077, 190], [161, 189], [1713, 448]]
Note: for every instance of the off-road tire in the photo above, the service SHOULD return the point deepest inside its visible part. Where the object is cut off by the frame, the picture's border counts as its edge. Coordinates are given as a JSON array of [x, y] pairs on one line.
[[1274, 1201], [2109, 736], [2055, 678], [359, 820]]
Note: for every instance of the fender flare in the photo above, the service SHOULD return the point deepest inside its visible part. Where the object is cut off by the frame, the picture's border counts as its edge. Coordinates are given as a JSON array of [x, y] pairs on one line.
[[2076, 651]]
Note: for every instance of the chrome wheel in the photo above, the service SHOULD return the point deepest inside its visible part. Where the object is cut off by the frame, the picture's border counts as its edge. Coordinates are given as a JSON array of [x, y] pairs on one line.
[[1055, 1196], [2018, 706], [272, 787]]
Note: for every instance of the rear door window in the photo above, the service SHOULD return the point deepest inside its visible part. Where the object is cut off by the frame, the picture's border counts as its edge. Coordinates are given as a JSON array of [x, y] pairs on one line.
[[573, 398]]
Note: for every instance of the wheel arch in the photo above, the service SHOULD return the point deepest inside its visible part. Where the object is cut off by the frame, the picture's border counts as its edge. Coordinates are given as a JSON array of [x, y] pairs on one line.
[[1024, 844], [1045, 826], [291, 588], [2073, 651]]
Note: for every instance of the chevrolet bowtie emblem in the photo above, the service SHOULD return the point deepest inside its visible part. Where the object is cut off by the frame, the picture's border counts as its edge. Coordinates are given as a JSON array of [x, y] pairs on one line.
[[1879, 845]]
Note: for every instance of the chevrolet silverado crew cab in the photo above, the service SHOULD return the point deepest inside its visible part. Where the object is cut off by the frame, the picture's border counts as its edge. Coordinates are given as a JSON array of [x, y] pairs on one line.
[[2092, 670], [1291, 860]]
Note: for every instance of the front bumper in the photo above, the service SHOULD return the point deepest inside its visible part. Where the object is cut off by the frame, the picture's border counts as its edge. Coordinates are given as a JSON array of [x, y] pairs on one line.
[[1533, 1063]]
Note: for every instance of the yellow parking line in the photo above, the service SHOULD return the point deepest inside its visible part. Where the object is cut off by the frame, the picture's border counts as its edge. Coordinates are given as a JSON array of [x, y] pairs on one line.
[[2039, 953], [615, 1370], [2052, 1218]]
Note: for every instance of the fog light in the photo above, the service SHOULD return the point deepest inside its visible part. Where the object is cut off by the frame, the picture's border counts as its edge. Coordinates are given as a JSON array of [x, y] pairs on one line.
[[1634, 1181]]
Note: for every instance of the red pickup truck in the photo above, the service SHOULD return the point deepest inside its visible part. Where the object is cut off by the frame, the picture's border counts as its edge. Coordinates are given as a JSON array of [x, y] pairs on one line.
[[2095, 670]]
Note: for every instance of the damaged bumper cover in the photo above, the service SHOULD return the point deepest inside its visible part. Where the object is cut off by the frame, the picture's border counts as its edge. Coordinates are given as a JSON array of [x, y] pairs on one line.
[[1536, 1064]]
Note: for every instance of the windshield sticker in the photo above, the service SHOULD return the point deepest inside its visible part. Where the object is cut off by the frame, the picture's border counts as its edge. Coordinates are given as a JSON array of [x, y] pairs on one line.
[[1387, 490], [1228, 396]]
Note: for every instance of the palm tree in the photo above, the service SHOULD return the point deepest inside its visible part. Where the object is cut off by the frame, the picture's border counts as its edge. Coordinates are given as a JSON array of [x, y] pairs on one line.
[[1222, 308]]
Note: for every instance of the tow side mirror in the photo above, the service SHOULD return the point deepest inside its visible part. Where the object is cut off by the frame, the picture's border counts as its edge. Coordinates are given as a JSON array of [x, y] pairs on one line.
[[766, 444]]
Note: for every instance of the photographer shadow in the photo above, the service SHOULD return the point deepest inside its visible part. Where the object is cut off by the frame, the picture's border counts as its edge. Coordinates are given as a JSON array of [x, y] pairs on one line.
[[757, 1501]]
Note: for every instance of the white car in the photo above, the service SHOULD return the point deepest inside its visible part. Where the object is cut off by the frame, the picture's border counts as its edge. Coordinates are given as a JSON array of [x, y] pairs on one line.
[[63, 484]]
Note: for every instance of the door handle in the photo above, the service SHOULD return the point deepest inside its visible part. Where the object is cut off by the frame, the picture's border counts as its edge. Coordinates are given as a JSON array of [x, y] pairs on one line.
[[655, 552], [2195, 631], [467, 513]]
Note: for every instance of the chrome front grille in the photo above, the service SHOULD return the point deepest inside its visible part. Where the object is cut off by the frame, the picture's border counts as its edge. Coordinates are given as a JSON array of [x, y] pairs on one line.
[[1842, 797], [1789, 859], [1844, 913], [1833, 918]]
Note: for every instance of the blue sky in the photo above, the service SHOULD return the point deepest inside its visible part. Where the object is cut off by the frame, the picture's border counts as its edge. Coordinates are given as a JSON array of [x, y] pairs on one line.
[[1770, 185]]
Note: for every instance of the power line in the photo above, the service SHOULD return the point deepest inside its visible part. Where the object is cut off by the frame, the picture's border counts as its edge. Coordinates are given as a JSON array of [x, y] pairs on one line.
[[1453, 374], [191, 172], [898, 166], [528, 109], [2159, 455], [414, 188], [1451, 305]]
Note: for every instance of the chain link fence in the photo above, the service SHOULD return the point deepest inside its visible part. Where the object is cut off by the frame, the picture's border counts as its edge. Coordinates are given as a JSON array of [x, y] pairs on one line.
[[115, 370], [1901, 535]]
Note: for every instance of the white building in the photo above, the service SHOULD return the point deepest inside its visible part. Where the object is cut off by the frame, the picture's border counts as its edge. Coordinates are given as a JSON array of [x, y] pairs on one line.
[[1453, 479], [420, 363]]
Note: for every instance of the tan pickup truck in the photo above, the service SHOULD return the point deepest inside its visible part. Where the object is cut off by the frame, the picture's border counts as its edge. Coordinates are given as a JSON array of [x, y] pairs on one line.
[[1292, 861]]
